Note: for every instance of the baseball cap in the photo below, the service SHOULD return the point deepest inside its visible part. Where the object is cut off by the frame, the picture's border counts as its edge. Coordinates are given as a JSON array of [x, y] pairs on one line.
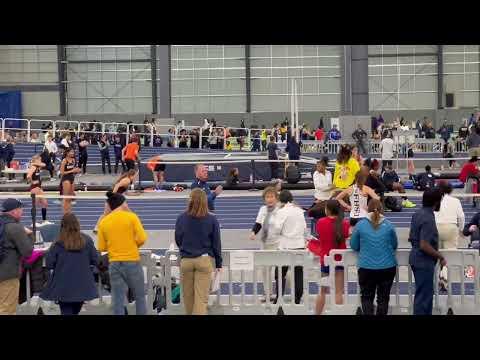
[[11, 204]]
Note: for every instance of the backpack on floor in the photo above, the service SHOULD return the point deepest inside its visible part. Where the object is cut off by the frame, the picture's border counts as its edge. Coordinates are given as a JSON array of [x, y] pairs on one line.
[[393, 203]]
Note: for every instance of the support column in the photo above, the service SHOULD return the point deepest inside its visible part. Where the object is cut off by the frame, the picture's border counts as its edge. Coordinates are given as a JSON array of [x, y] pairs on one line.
[[153, 71], [440, 90], [346, 80], [164, 104], [248, 91], [62, 78], [359, 79]]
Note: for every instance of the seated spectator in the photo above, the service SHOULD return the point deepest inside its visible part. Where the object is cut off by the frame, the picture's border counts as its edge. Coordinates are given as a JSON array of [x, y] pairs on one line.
[[375, 239], [473, 142], [322, 180], [71, 258], [290, 228], [332, 233], [319, 134], [121, 233], [34, 138], [373, 178], [469, 169], [425, 180], [392, 183], [197, 235], [232, 178]]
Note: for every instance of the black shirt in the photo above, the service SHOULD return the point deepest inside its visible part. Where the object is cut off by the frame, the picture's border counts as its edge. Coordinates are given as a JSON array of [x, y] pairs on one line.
[[272, 151]]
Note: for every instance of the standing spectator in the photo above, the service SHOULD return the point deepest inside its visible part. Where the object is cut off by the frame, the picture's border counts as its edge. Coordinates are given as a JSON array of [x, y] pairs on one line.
[[201, 178], [103, 145], [360, 137], [386, 148], [376, 242], [47, 160], [450, 219], [130, 154], [71, 258], [424, 254], [264, 223], [121, 233], [293, 149], [16, 242], [429, 131], [272, 149], [197, 235], [444, 132], [463, 130], [334, 134], [52, 149], [319, 134], [256, 142], [82, 153], [473, 142], [117, 148], [263, 138], [469, 169], [8, 152], [290, 228], [471, 120], [332, 233], [346, 167]]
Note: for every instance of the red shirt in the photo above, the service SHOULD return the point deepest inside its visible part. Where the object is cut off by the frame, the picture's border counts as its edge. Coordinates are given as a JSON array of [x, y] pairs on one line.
[[468, 169], [319, 133], [326, 230]]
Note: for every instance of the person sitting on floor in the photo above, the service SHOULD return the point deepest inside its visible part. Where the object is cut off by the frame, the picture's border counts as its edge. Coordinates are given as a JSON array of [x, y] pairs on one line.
[[392, 183], [425, 180]]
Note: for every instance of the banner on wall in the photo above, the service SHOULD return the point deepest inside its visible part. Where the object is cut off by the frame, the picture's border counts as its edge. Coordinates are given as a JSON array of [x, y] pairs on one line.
[[11, 107]]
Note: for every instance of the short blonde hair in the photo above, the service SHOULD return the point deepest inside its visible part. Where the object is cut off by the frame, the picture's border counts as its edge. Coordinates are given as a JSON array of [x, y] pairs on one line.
[[270, 190], [197, 204]]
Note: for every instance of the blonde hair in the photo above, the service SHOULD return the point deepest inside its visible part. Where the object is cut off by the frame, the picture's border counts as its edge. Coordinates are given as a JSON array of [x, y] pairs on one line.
[[270, 190], [197, 204]]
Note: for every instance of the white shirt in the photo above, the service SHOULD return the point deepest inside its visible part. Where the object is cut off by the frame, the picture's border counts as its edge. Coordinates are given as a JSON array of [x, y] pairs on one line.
[[262, 214], [64, 142], [387, 148], [451, 212], [322, 185], [51, 146], [290, 226]]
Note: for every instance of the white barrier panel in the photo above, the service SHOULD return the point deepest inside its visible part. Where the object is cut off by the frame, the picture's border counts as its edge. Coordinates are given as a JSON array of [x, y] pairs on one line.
[[457, 260]]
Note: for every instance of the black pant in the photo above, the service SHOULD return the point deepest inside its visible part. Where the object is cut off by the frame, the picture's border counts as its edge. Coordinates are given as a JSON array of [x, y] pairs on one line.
[[82, 161], [118, 159], [298, 276], [70, 308], [106, 158], [264, 145], [130, 164], [273, 170], [379, 282]]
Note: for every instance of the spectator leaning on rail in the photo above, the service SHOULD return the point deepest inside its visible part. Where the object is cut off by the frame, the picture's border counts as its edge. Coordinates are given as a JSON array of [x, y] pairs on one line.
[[15, 243], [201, 178], [424, 254], [375, 239], [197, 235], [290, 226], [71, 258], [121, 233]]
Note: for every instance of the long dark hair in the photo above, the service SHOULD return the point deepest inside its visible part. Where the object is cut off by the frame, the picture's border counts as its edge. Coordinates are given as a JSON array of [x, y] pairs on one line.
[[344, 154], [333, 208]]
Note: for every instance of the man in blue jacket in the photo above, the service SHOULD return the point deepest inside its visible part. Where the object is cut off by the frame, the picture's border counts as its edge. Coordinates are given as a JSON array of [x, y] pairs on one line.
[[201, 178], [334, 133]]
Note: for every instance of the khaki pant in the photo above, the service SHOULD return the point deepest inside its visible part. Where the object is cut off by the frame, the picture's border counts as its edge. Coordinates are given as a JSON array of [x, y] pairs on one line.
[[196, 276], [474, 151], [267, 270], [447, 236], [9, 296]]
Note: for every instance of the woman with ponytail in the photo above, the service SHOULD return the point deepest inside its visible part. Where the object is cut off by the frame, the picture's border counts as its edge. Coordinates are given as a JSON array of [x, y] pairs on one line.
[[332, 233], [375, 240]]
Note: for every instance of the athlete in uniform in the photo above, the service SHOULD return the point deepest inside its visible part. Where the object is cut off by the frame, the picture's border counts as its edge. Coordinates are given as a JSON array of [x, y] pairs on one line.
[[158, 171], [358, 194], [33, 176], [68, 169], [120, 187]]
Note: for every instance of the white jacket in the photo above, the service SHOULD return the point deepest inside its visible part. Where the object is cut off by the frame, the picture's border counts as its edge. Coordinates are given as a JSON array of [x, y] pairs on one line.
[[289, 227], [322, 185]]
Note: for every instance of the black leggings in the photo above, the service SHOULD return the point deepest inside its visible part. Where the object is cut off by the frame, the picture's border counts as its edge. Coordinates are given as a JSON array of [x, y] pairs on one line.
[[130, 164], [118, 159], [379, 282], [106, 158], [82, 162], [298, 276], [70, 308]]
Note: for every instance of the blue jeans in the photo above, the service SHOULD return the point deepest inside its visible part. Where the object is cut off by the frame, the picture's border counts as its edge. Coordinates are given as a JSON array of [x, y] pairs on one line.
[[423, 301], [126, 275]]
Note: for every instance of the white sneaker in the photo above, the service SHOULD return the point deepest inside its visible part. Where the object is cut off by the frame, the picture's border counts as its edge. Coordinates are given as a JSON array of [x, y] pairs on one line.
[[46, 222]]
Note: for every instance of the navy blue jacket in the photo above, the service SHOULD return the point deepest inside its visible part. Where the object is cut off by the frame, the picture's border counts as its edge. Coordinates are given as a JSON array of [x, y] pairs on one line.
[[72, 277], [7, 152], [423, 227], [293, 150], [198, 236], [117, 147], [210, 194]]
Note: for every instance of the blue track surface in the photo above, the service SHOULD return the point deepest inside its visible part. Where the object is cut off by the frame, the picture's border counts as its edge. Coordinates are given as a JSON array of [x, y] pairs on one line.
[[232, 212]]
